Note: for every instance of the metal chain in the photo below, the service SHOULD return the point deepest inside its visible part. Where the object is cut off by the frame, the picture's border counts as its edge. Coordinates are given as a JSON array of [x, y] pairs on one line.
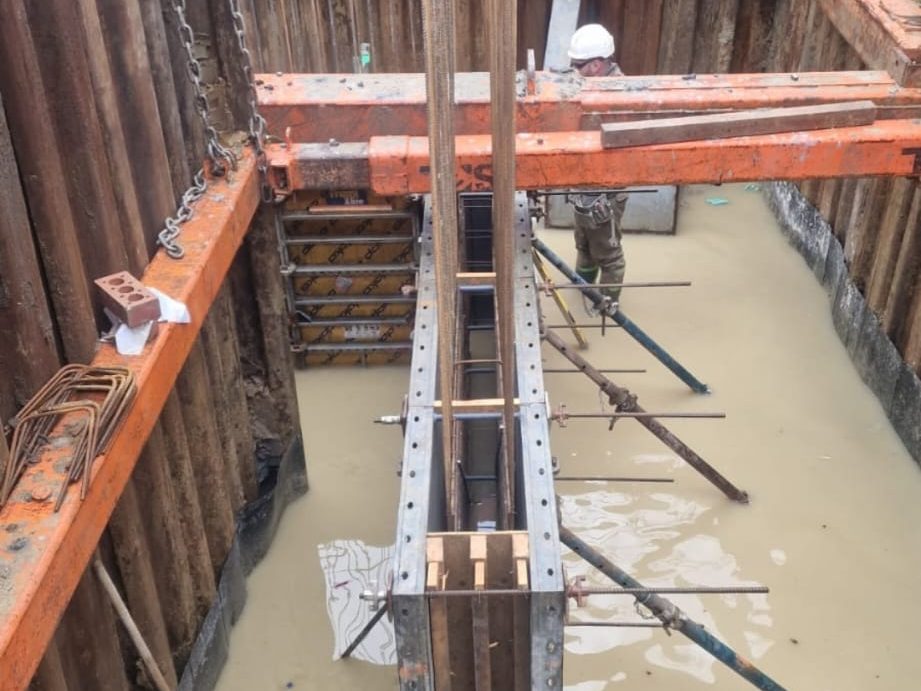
[[220, 157], [256, 121], [167, 237]]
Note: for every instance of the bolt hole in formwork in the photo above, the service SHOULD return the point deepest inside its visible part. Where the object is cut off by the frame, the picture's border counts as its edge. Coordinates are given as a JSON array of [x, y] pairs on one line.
[[803, 435]]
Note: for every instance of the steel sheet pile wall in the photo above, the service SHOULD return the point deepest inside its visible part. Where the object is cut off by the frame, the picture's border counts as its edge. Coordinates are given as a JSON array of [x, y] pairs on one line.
[[876, 220], [653, 36], [98, 139]]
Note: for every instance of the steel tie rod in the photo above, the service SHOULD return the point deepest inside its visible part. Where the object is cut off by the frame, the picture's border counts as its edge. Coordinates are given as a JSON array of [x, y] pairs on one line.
[[670, 615], [626, 403], [622, 320]]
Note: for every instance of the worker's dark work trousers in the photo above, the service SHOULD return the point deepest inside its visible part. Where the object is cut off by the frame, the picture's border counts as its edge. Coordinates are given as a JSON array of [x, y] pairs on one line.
[[598, 246]]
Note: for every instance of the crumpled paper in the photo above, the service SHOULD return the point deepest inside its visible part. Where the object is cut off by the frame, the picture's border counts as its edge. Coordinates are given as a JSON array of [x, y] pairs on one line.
[[130, 341]]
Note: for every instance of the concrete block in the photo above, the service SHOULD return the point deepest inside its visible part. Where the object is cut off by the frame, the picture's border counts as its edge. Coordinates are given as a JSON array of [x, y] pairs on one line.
[[652, 212], [905, 411], [645, 213]]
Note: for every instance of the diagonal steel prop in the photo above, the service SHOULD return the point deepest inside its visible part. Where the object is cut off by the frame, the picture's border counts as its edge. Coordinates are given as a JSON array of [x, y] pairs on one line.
[[627, 402]]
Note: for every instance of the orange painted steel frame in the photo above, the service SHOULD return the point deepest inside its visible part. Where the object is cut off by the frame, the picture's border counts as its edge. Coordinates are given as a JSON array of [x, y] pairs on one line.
[[52, 550], [354, 108], [400, 165]]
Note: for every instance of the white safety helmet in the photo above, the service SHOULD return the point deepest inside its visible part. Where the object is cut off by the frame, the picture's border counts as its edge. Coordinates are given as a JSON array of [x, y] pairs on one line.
[[589, 42]]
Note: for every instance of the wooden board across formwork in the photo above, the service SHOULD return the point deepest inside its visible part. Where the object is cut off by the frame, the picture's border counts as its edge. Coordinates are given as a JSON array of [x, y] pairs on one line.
[[481, 641]]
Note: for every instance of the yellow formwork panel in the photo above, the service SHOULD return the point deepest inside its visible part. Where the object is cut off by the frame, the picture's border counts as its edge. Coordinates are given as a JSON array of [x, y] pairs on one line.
[[361, 333], [350, 358]]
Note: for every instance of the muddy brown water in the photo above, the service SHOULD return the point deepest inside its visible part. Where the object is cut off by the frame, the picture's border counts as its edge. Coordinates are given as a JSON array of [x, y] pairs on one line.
[[832, 528]]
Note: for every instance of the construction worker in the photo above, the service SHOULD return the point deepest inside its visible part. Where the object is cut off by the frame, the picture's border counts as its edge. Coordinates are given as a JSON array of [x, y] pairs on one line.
[[597, 216]]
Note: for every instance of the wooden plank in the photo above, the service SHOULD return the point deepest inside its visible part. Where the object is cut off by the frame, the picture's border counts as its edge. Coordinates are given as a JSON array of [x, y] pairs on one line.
[[912, 338], [88, 641], [889, 242], [60, 42], [198, 413], [676, 47], [438, 613], [791, 25], [459, 576], [743, 124], [754, 31], [713, 41], [38, 153], [479, 607], [162, 519], [638, 50], [904, 279], [28, 348], [123, 37], [105, 90], [860, 243], [194, 536], [50, 675], [136, 567]]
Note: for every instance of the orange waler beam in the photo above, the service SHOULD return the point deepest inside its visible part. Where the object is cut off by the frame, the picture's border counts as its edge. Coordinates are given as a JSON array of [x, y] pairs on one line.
[[44, 556], [350, 108], [400, 165]]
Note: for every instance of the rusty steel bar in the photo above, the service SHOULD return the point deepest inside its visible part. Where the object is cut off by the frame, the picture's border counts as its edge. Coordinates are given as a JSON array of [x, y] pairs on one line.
[[632, 414], [582, 286], [626, 402], [602, 478], [56, 548], [669, 614]]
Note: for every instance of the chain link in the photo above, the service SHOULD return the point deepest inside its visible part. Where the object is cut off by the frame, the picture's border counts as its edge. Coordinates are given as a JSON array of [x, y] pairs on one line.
[[257, 124], [220, 157], [167, 236]]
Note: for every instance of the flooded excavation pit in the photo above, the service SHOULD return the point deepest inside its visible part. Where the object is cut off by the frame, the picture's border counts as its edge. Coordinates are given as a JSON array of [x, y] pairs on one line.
[[833, 492]]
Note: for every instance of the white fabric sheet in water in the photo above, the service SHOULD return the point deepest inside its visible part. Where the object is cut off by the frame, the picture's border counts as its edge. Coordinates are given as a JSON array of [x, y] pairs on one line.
[[351, 567]]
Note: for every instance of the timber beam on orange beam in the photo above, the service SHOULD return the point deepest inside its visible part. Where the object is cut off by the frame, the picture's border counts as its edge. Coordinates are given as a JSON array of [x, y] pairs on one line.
[[348, 108], [53, 549], [400, 165], [883, 32]]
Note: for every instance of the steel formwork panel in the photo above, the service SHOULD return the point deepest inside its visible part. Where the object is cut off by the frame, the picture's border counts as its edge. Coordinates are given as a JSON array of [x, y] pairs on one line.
[[422, 498]]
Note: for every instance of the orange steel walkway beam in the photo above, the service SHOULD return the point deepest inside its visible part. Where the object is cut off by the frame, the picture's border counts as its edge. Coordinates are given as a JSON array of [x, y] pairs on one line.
[[54, 549], [400, 165], [316, 108]]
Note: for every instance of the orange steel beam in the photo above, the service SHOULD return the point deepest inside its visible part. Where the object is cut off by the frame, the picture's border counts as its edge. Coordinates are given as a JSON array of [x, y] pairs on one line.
[[316, 108], [400, 165], [43, 554], [885, 33]]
